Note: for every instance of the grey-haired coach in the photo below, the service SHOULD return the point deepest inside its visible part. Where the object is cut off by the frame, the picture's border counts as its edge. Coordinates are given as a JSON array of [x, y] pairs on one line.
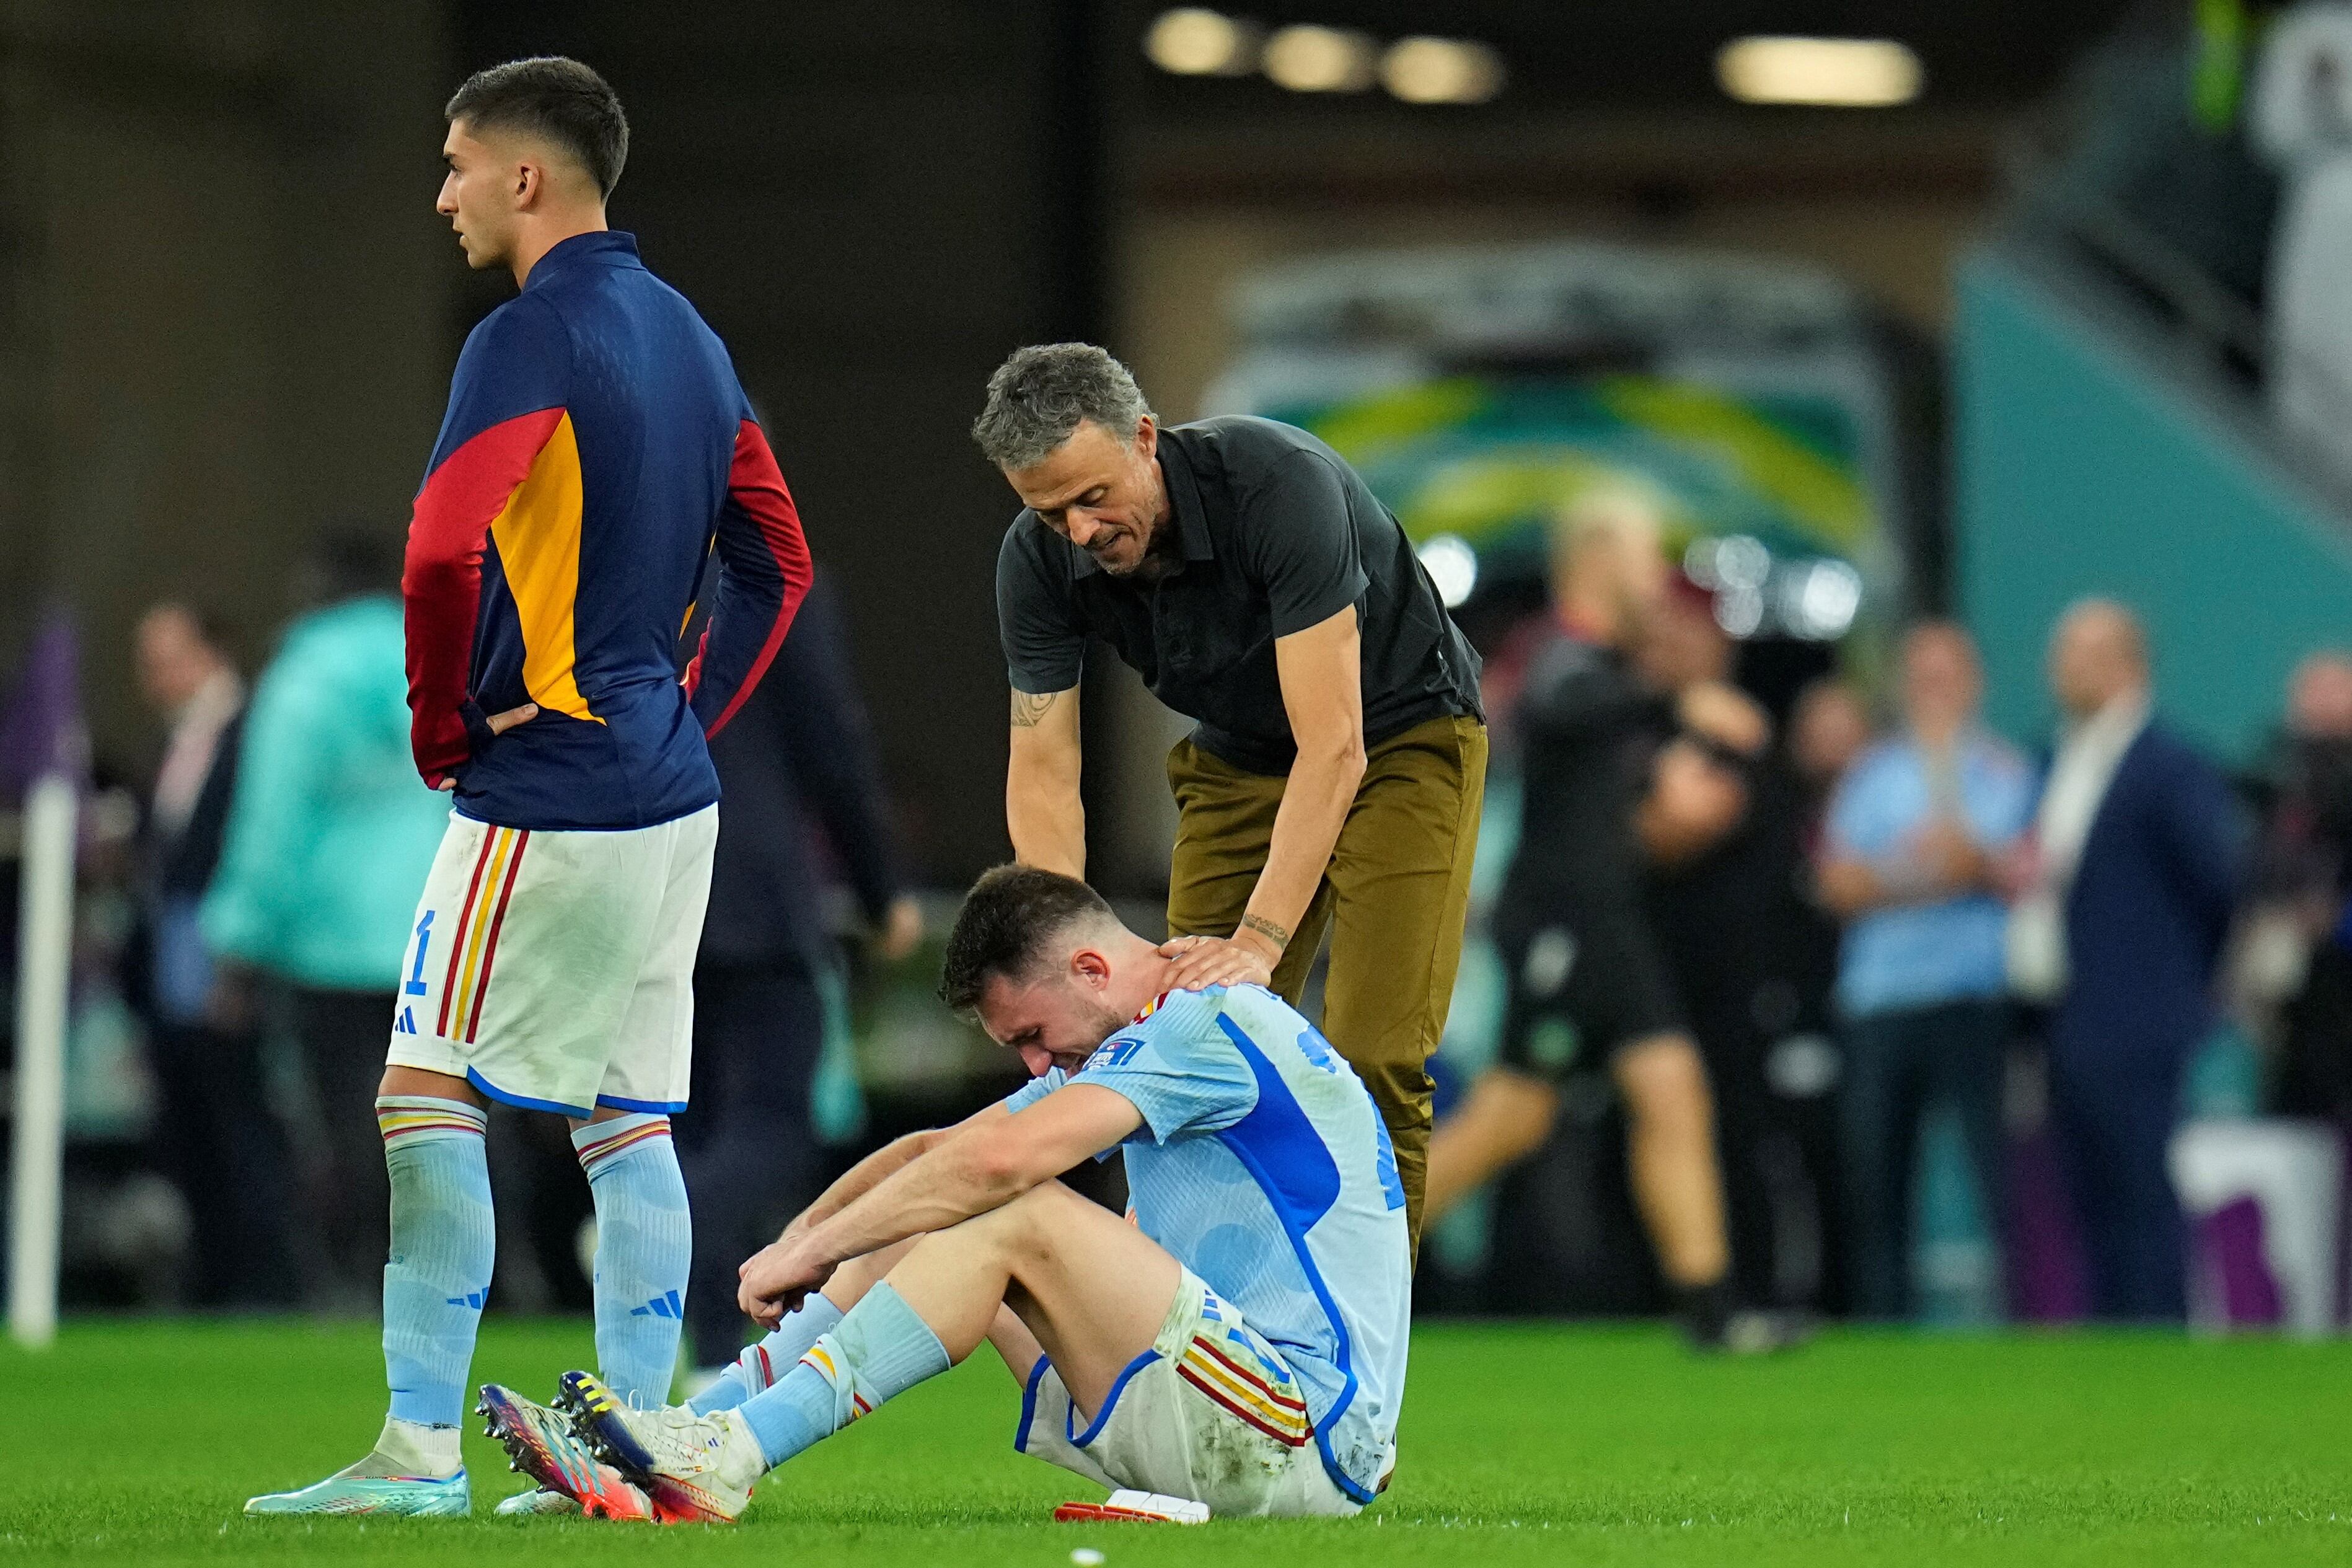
[[1334, 780]]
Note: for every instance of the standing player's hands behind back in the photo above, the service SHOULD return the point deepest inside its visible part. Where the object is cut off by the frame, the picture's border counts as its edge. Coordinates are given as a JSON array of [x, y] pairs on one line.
[[499, 724]]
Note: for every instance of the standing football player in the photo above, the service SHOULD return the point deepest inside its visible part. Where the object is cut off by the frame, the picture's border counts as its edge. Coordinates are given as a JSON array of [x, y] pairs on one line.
[[597, 445]]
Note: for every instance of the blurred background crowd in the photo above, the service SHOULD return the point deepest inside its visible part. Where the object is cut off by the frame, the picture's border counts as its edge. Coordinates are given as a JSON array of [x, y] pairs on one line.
[[1987, 378]]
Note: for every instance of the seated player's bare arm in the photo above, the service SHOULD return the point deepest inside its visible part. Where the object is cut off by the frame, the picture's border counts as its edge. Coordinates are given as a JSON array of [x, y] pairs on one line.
[[870, 1171], [979, 1165]]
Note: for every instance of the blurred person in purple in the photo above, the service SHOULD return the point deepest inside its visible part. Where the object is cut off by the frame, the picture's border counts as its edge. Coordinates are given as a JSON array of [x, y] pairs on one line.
[[1919, 834], [213, 1137], [327, 839], [2136, 864]]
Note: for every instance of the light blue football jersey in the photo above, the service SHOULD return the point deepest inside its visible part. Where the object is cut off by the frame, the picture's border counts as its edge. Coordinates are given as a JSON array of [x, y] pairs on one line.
[[1263, 1166]]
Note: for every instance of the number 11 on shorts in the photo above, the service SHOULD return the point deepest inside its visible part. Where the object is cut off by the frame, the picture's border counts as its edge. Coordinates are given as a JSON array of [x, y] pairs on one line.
[[406, 1023]]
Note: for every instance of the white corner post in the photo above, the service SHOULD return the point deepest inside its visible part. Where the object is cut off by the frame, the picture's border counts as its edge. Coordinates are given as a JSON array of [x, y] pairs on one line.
[[44, 970]]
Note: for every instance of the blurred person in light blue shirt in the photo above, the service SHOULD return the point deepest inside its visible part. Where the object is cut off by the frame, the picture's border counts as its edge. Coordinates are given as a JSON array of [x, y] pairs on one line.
[[1917, 856], [330, 834]]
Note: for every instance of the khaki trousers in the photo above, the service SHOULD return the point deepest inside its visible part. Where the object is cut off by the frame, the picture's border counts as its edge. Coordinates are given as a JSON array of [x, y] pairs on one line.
[[1393, 898]]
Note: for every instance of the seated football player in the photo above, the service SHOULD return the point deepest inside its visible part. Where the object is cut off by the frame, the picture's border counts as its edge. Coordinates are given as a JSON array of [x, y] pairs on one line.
[[1242, 1343]]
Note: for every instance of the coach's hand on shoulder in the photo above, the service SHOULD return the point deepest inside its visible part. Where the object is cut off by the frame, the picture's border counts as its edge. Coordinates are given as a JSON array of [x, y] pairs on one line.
[[1205, 960], [777, 1278]]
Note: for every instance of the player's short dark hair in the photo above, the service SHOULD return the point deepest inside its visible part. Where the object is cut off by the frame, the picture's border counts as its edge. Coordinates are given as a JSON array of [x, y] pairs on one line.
[[559, 99], [1007, 922], [1041, 395]]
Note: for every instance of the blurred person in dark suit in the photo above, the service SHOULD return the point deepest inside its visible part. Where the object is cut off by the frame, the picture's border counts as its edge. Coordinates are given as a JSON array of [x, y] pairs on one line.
[[2137, 860], [1920, 834], [330, 833], [800, 773], [213, 1134]]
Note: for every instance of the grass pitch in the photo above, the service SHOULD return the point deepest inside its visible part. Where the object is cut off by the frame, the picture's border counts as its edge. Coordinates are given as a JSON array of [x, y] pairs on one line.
[[138, 1442]]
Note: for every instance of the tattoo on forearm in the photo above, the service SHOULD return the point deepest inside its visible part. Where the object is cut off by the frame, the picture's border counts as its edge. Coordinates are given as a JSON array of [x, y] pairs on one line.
[[1029, 707], [1267, 928]]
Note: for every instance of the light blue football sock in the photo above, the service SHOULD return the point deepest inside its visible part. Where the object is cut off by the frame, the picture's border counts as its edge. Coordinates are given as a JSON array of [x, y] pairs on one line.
[[758, 1368], [443, 1242], [644, 1244], [881, 1350]]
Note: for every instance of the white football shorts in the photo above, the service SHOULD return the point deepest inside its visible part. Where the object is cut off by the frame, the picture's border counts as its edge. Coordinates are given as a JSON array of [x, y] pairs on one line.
[[555, 971], [1211, 1412]]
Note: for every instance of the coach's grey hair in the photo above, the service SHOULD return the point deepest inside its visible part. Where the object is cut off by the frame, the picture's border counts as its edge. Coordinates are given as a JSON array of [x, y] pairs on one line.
[[1037, 397]]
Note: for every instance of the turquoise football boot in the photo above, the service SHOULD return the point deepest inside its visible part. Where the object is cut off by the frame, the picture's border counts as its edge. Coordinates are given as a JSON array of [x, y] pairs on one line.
[[373, 1486]]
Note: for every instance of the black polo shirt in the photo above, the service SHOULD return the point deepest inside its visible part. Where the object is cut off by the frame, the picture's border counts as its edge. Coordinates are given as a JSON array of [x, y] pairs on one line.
[[1278, 534]]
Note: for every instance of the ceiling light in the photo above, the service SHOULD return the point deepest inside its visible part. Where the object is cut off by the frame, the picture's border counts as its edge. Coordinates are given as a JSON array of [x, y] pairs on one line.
[[1319, 60], [1847, 73], [1442, 70], [1192, 40], [1453, 568], [1741, 561], [1822, 601], [1739, 611]]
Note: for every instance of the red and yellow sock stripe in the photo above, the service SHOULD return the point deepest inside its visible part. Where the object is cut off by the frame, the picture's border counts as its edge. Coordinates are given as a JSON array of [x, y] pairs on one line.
[[594, 1154], [473, 950], [821, 1359], [398, 1122], [1276, 1412]]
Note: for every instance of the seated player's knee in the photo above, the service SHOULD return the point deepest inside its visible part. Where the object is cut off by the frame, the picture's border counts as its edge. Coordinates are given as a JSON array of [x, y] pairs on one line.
[[858, 1275], [1664, 1084], [1031, 1219], [1019, 1229]]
